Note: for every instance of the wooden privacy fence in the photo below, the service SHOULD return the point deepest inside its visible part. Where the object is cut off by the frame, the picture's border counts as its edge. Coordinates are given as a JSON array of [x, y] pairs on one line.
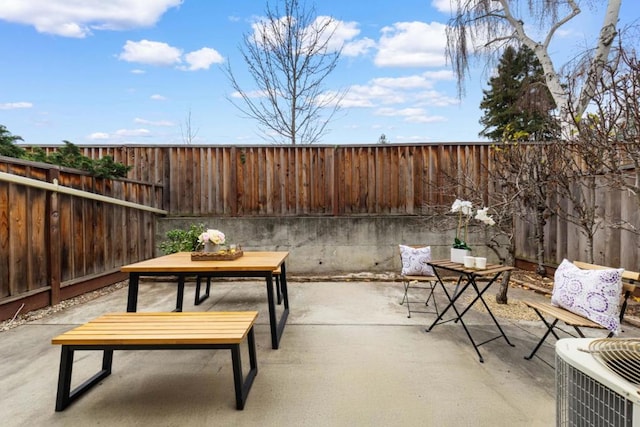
[[229, 181], [63, 232], [301, 180], [352, 180]]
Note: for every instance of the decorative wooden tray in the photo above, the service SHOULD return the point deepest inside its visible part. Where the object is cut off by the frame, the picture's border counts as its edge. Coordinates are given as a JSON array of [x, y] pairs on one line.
[[216, 256]]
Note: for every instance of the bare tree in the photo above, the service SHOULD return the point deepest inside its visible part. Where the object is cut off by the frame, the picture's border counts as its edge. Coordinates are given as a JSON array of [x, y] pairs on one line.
[[187, 131], [618, 123], [527, 173], [484, 27], [289, 55], [477, 186], [577, 185], [605, 147]]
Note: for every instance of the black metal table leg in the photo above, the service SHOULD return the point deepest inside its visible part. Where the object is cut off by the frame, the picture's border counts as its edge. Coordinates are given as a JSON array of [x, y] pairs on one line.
[[199, 299], [180, 295], [486, 306], [452, 299], [469, 281], [283, 287], [272, 312], [278, 292], [132, 296], [277, 326]]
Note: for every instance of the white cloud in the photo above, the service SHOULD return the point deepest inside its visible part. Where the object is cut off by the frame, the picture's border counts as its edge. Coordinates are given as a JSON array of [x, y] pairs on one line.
[[140, 121], [425, 118], [202, 59], [412, 44], [150, 52], [358, 47], [120, 134], [157, 97], [99, 136], [370, 96], [250, 94], [410, 115], [439, 75], [162, 54], [444, 6], [138, 71], [393, 112], [410, 98], [436, 99], [337, 34], [15, 105], [132, 132], [417, 89], [340, 31], [79, 18], [408, 82]]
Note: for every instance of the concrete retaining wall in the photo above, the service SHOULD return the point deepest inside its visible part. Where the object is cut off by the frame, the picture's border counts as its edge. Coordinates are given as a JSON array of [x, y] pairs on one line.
[[330, 245]]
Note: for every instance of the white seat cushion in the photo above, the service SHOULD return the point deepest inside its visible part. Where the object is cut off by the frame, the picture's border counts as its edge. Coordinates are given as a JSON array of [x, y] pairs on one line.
[[414, 261], [594, 294]]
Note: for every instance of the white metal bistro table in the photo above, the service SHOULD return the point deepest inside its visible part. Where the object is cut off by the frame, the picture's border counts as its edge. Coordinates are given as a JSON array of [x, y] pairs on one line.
[[250, 264]]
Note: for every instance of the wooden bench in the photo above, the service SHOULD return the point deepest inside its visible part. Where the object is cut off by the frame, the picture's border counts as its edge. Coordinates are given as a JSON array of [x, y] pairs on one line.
[[157, 331], [546, 310]]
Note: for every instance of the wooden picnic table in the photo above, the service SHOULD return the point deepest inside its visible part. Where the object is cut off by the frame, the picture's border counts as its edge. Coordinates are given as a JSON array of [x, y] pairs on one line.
[[251, 264]]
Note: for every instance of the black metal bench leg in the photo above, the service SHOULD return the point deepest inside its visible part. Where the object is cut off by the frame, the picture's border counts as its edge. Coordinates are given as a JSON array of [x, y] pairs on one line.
[[550, 327], [242, 387], [65, 396]]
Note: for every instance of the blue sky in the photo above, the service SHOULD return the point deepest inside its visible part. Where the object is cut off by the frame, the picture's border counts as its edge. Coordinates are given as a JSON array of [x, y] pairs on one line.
[[132, 71]]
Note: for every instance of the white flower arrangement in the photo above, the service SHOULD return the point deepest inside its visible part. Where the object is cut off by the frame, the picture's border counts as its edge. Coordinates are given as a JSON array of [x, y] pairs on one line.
[[464, 209], [481, 215], [216, 237]]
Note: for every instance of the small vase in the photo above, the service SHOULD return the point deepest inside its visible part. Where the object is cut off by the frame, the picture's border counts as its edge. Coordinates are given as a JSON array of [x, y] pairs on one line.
[[457, 255], [210, 247]]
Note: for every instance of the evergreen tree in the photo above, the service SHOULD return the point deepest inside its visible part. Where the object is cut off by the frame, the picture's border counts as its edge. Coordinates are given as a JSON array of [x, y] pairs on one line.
[[8, 145], [518, 105]]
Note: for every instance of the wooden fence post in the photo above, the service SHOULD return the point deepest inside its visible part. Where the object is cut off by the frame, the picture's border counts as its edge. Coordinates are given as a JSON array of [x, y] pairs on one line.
[[53, 226]]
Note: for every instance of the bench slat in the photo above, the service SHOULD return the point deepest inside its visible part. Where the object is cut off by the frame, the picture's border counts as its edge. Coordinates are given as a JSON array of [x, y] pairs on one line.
[[161, 328], [567, 317]]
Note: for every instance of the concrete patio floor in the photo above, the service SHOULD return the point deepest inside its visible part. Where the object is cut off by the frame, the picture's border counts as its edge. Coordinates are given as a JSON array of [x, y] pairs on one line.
[[349, 356]]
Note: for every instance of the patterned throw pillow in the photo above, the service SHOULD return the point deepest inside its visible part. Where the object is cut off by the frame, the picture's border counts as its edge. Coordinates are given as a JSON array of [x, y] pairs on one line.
[[414, 261], [594, 294]]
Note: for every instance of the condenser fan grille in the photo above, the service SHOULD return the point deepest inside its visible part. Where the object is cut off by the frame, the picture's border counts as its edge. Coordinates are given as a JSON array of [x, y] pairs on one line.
[[620, 355]]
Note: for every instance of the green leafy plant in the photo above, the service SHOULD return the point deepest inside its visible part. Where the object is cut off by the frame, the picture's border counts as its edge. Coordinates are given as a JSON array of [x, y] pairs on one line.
[[8, 145], [179, 240], [69, 156]]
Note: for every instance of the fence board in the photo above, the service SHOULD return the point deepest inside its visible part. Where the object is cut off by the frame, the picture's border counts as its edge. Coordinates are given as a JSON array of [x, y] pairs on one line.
[[4, 236], [52, 240]]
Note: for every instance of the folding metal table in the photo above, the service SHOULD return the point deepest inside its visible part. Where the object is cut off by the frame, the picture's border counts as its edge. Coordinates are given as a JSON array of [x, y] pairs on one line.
[[467, 279]]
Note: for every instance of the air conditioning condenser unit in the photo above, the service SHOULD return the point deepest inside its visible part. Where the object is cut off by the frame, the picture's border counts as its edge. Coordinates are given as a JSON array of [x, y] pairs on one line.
[[597, 382]]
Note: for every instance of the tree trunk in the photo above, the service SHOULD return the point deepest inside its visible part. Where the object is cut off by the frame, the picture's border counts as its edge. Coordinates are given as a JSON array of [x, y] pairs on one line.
[[540, 222], [501, 296]]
